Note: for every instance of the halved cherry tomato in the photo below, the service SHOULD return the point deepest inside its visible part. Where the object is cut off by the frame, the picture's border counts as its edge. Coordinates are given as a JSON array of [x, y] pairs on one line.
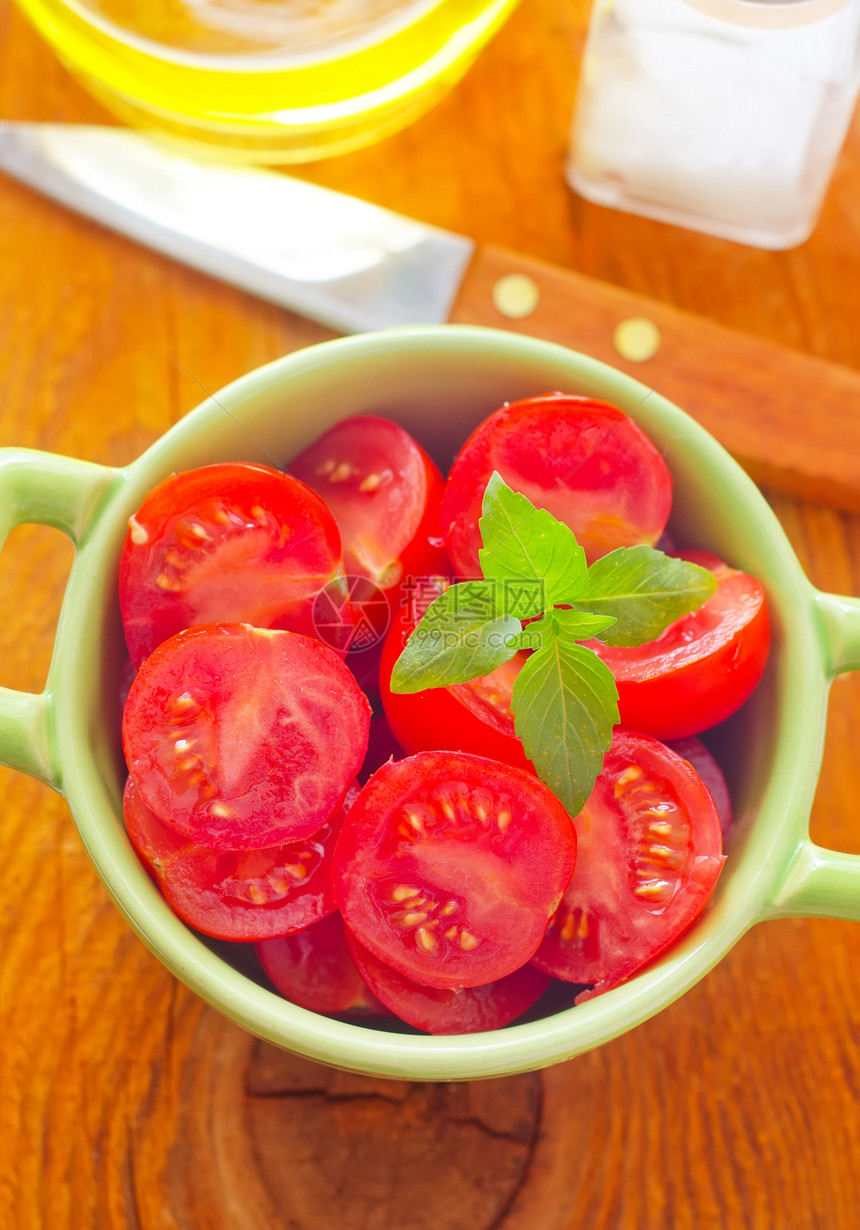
[[585, 461], [449, 866], [468, 717], [702, 667], [696, 754], [384, 492], [649, 856], [242, 738], [437, 1011], [238, 895], [315, 970], [226, 543]]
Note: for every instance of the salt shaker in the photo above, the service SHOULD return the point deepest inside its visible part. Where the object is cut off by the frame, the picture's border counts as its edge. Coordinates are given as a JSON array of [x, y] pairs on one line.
[[726, 116]]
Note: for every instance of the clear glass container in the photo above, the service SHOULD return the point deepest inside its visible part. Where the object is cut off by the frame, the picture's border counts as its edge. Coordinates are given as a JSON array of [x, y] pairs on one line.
[[268, 80], [725, 116]]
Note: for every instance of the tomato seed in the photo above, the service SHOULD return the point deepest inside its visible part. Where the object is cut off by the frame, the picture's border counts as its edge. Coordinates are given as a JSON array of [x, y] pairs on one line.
[[403, 892], [425, 939], [139, 536], [653, 890], [631, 774]]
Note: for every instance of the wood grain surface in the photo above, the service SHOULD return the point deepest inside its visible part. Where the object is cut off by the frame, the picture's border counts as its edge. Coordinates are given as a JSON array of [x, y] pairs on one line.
[[128, 1103]]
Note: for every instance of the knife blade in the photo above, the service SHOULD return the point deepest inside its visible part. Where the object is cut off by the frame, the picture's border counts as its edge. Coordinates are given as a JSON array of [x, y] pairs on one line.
[[343, 262], [792, 420]]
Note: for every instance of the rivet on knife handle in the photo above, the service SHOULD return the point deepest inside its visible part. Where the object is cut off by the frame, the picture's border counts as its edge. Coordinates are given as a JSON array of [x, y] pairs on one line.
[[516, 296]]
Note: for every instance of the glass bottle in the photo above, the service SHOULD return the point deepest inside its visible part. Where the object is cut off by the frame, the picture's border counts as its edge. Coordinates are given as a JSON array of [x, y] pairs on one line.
[[726, 116]]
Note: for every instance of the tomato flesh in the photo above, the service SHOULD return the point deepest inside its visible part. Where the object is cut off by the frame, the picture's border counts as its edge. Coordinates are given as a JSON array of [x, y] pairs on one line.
[[449, 866], [702, 667], [384, 492], [315, 970], [238, 895], [242, 738], [585, 461], [649, 856], [467, 1011], [229, 543]]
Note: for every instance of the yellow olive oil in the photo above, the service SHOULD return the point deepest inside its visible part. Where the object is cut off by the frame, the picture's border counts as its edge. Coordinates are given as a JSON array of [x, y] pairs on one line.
[[268, 80]]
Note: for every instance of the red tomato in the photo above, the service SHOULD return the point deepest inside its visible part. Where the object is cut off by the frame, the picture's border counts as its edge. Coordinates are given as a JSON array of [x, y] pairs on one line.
[[225, 544], [384, 492], [242, 738], [583, 460], [238, 895], [437, 1011], [702, 667], [649, 857], [697, 755], [469, 717], [449, 866], [315, 970]]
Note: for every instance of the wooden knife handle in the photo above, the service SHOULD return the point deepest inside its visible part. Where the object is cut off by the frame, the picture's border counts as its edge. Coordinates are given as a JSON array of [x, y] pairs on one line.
[[791, 420]]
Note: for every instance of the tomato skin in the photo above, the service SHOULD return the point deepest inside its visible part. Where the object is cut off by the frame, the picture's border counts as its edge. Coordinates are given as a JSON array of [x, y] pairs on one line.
[[384, 492], [702, 667], [650, 853], [449, 866], [583, 460], [238, 895], [460, 718], [230, 543], [314, 969], [468, 1011], [242, 738]]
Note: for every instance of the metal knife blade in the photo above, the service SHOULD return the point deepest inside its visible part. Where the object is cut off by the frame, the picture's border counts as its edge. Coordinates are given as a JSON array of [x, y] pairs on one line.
[[357, 267], [343, 262]]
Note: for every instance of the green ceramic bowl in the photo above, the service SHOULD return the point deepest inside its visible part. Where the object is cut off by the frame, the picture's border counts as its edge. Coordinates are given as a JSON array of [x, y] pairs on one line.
[[439, 383]]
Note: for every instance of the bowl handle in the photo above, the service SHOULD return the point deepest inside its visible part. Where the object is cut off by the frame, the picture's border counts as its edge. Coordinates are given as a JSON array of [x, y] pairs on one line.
[[43, 489], [824, 883]]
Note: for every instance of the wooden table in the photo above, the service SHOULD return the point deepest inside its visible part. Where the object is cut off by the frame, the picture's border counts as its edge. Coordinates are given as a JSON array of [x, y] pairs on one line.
[[126, 1101]]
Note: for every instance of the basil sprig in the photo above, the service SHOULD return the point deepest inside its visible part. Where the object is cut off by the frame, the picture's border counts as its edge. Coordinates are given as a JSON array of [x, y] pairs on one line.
[[564, 702]]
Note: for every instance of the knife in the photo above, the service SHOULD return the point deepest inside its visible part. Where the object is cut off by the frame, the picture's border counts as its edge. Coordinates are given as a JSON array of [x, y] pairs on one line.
[[793, 421]]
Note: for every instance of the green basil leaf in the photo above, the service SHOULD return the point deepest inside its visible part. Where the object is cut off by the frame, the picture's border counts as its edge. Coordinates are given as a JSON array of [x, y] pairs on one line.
[[534, 635], [565, 704], [578, 625], [462, 636], [645, 590], [536, 558]]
